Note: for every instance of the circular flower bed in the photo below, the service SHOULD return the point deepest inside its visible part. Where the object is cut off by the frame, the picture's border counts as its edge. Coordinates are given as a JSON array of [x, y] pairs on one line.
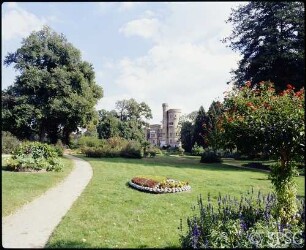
[[158, 184]]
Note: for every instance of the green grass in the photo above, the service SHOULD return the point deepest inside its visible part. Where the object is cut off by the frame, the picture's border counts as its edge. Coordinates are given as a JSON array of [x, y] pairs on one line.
[[110, 214], [19, 188]]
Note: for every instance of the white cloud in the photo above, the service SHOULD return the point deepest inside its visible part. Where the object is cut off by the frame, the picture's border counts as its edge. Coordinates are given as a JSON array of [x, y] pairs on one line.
[[17, 22], [144, 27], [187, 66], [184, 75]]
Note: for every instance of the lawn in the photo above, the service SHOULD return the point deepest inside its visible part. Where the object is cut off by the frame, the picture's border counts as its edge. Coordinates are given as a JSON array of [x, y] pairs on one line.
[[110, 214], [19, 188]]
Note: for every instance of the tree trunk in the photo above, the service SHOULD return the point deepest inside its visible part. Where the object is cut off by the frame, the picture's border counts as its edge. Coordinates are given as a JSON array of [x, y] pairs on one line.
[[42, 134], [66, 136]]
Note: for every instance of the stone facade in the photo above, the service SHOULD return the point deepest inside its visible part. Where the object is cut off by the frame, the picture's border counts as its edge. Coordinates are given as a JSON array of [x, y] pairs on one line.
[[167, 134]]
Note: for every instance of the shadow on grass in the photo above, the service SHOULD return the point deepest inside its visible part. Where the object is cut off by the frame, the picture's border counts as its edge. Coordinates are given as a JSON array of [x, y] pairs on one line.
[[62, 244], [68, 244], [260, 179], [176, 162]]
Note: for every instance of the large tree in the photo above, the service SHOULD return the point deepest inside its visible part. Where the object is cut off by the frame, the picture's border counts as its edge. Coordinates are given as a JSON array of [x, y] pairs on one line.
[[200, 132], [186, 123], [271, 38], [127, 121], [55, 92], [132, 110], [187, 135], [214, 135]]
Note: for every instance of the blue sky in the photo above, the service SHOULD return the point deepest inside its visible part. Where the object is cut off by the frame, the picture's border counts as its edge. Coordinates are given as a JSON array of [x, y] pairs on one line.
[[154, 52]]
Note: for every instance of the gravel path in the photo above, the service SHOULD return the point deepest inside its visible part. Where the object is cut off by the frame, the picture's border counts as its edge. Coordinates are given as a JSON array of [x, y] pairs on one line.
[[32, 225]]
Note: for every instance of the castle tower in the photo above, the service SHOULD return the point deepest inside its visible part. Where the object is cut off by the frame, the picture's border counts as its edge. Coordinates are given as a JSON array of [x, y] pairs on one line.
[[173, 135], [164, 134]]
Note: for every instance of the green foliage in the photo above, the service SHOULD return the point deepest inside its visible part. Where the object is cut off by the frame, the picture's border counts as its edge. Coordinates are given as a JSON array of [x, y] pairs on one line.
[[132, 110], [271, 39], [201, 128], [210, 157], [132, 150], [214, 135], [152, 151], [34, 156], [197, 150], [89, 141], [117, 142], [115, 147], [9, 142], [59, 148], [260, 120], [246, 223], [127, 121], [285, 188], [55, 92], [187, 135], [180, 151]]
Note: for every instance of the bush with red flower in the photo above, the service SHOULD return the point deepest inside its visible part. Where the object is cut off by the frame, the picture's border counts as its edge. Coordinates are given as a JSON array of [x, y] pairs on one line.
[[260, 119]]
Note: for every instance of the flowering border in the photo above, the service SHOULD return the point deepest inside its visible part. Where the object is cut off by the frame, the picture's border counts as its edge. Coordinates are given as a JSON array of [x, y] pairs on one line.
[[159, 190]]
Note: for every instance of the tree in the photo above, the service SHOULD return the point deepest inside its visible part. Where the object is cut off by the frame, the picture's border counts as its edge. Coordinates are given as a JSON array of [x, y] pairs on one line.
[[127, 121], [274, 123], [186, 124], [132, 110], [200, 131], [55, 92], [108, 124], [214, 135], [271, 39], [187, 136]]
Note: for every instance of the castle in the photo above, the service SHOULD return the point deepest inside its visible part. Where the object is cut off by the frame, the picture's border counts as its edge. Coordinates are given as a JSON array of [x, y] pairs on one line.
[[167, 134]]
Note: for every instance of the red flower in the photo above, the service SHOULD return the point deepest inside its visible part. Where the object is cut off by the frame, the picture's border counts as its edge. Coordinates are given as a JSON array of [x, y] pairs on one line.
[[300, 93], [289, 86], [248, 84]]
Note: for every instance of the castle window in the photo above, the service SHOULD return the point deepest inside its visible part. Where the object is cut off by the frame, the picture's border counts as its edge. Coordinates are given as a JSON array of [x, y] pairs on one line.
[[170, 123], [170, 134]]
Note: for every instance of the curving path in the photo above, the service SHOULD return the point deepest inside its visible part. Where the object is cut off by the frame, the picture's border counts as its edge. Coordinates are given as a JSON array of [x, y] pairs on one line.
[[32, 225]]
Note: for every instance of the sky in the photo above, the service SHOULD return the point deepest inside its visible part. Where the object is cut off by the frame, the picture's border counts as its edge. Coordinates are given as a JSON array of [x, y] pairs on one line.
[[154, 52]]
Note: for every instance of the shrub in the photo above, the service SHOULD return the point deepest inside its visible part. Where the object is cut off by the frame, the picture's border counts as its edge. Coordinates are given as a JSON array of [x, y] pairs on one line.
[[93, 152], [152, 152], [210, 157], [59, 148], [180, 151], [34, 156], [115, 147], [117, 142], [250, 222], [89, 141], [197, 150], [98, 152], [9, 142], [133, 149]]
